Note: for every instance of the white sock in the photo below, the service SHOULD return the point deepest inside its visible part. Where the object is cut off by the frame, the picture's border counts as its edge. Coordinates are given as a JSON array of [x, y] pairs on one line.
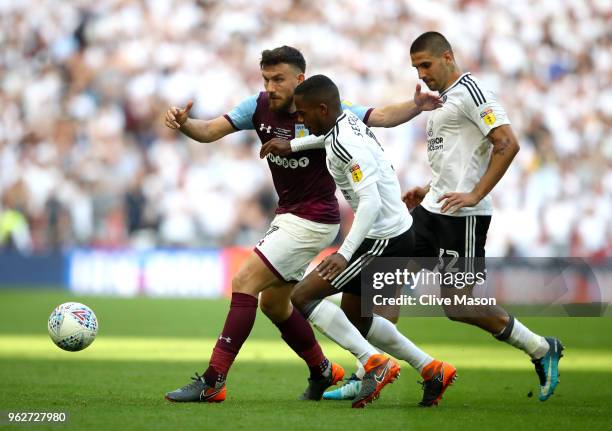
[[385, 336], [533, 344], [360, 370], [328, 318]]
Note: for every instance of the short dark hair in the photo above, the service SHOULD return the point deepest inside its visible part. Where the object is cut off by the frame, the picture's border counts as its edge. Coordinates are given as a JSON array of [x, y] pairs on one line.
[[318, 88], [432, 42], [283, 54]]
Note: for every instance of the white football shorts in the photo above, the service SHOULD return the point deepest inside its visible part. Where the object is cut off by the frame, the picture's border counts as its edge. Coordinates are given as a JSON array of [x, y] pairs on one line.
[[292, 243]]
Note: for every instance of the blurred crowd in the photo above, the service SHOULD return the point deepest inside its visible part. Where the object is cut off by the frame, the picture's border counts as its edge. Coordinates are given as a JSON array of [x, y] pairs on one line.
[[85, 159]]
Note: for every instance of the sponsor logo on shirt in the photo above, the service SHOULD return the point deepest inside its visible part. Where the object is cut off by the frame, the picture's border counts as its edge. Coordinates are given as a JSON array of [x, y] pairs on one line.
[[435, 144], [488, 117], [284, 162], [356, 173]]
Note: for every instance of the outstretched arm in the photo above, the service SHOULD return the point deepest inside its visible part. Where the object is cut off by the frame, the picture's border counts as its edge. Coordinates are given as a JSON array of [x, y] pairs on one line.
[[505, 147], [199, 130], [399, 113], [283, 147]]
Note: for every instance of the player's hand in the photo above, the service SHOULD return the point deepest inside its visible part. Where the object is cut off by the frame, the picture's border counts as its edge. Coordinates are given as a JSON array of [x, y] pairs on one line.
[[455, 200], [176, 117], [413, 197], [426, 101], [277, 146], [333, 265]]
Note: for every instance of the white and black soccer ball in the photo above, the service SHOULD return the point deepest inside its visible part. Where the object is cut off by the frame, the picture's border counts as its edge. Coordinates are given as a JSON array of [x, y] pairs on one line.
[[73, 326]]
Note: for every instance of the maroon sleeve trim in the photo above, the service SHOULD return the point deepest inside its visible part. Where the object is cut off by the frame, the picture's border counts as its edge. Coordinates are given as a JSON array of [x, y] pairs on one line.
[[366, 117], [227, 117]]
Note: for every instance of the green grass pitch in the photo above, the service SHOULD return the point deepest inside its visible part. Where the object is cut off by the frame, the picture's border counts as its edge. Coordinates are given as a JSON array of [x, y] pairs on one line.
[[146, 347]]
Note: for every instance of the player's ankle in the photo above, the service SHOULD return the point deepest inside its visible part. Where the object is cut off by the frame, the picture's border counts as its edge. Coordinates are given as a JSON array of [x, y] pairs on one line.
[[321, 371], [213, 378], [431, 369]]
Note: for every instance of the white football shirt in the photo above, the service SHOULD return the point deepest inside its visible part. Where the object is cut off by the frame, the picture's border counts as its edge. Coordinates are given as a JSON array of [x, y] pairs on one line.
[[355, 160], [457, 146]]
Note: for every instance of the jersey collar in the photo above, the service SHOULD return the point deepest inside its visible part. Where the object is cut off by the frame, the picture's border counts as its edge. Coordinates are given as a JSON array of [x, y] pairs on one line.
[[454, 84], [335, 128]]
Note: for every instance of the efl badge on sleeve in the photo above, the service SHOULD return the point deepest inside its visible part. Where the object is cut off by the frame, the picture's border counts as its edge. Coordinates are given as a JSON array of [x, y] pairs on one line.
[[488, 116], [356, 173], [301, 131]]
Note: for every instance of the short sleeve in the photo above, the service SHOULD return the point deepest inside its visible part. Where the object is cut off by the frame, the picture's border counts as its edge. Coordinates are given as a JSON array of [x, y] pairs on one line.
[[361, 170], [363, 112], [241, 117], [484, 110]]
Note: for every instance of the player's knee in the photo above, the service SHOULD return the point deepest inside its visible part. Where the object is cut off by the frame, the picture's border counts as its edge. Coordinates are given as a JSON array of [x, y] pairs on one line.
[[299, 299], [275, 310], [241, 284], [266, 307]]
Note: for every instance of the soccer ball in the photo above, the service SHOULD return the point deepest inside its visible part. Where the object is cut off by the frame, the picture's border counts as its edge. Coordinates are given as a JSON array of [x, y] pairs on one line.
[[73, 326]]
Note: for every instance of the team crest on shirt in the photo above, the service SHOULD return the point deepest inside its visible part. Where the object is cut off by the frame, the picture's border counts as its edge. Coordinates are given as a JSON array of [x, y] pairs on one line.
[[301, 131], [488, 117], [356, 173]]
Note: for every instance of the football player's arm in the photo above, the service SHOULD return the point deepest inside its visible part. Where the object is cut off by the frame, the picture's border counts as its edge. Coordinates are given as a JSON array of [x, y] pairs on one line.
[[198, 130], [283, 147], [310, 142], [365, 216], [207, 130], [505, 147], [367, 210], [362, 176], [399, 113], [239, 118]]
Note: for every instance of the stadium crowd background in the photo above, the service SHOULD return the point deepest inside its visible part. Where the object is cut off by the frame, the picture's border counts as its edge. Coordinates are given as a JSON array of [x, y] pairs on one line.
[[85, 159]]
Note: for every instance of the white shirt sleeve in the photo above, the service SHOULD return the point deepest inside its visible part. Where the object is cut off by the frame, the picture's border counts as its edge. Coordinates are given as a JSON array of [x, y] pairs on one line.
[[365, 216], [362, 175], [310, 142], [362, 169], [487, 114]]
